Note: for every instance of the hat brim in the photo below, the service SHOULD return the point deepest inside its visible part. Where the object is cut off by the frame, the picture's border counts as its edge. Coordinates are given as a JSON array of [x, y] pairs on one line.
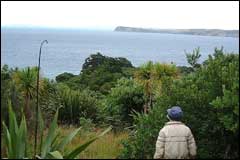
[[168, 111]]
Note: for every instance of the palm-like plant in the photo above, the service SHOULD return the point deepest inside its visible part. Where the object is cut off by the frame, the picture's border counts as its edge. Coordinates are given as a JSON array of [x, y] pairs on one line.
[[151, 76], [25, 80], [163, 73], [144, 76]]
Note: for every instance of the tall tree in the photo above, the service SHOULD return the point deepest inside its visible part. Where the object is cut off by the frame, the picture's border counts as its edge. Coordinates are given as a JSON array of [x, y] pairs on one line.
[[25, 80], [144, 76], [152, 77]]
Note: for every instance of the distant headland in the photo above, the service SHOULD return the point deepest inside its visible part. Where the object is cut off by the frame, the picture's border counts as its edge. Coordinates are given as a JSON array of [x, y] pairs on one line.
[[202, 32]]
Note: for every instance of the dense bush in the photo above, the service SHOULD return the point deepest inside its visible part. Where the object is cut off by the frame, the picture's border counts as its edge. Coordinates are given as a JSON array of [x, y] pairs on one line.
[[49, 99], [184, 70], [127, 96], [64, 77], [99, 73], [5, 91], [77, 104], [209, 98], [94, 61], [109, 90], [18, 86]]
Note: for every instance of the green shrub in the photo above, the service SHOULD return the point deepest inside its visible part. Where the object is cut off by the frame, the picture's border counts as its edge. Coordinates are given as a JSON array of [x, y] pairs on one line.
[[86, 124], [99, 73], [126, 97], [209, 98], [77, 104], [64, 77]]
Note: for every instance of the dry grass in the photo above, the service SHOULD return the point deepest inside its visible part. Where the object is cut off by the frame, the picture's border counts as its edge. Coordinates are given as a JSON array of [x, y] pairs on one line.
[[108, 146]]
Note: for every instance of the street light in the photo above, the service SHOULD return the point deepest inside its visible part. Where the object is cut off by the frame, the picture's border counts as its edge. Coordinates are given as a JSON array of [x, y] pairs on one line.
[[36, 125]]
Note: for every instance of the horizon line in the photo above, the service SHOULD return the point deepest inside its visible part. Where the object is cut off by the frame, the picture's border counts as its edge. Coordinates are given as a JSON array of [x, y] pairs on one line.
[[98, 28]]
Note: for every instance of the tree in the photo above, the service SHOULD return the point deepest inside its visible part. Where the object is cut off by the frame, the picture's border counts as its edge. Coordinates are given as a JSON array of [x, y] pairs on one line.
[[113, 64], [64, 77], [192, 58], [26, 80], [99, 73], [144, 76], [153, 77]]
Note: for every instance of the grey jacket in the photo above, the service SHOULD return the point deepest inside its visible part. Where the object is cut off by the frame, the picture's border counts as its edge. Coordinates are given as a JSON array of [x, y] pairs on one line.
[[175, 141]]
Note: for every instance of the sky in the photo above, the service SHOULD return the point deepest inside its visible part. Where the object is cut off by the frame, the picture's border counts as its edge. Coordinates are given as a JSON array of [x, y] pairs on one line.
[[109, 14]]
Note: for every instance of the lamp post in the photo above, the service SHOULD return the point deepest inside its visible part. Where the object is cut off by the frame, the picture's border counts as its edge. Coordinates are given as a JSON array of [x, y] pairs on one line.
[[36, 125]]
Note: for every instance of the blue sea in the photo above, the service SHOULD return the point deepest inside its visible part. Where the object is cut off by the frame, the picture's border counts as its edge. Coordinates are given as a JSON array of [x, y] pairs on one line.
[[68, 49]]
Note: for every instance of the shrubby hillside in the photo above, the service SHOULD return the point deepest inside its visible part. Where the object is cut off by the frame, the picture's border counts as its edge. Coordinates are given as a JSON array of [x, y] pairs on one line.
[[111, 92]]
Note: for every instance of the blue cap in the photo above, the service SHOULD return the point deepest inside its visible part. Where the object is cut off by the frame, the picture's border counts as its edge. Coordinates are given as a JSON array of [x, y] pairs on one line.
[[175, 113]]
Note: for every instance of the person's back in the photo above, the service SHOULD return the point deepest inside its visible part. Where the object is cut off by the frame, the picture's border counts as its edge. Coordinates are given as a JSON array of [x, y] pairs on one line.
[[175, 140]]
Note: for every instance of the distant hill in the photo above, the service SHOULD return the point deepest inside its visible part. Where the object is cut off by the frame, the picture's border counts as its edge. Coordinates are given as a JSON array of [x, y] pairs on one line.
[[202, 32]]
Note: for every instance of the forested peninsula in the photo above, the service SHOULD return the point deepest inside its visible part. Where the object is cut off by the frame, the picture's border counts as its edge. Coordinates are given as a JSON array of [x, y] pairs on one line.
[[202, 32]]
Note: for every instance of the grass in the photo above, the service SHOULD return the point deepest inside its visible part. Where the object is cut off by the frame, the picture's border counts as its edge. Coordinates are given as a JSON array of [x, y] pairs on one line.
[[107, 147]]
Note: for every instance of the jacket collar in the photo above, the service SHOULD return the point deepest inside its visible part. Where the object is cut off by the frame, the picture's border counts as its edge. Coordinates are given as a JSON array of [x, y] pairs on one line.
[[173, 122]]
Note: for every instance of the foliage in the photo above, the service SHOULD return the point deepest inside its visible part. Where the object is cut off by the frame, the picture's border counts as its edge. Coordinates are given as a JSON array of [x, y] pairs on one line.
[[94, 61], [64, 77], [9, 91], [86, 124], [209, 98], [51, 147], [25, 81], [125, 97], [15, 137], [111, 91], [5, 91], [184, 70], [107, 147], [50, 99], [153, 77], [77, 104], [99, 73], [193, 58], [19, 85]]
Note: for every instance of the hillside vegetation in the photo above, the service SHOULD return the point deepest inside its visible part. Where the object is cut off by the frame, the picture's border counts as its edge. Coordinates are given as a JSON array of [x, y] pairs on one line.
[[132, 101]]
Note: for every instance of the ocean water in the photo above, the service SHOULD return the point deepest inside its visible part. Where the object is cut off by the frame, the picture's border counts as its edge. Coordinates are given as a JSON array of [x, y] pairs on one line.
[[68, 49]]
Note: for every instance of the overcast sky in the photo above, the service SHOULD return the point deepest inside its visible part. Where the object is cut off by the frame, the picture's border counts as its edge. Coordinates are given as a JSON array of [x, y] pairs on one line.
[[108, 15]]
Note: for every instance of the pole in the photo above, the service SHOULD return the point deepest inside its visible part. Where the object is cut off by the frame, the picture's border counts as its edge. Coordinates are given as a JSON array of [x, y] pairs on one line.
[[36, 125]]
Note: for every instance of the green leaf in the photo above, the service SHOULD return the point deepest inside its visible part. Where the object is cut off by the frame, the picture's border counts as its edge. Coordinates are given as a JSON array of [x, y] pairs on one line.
[[22, 138], [13, 127], [55, 155], [54, 142], [8, 141], [67, 139], [104, 132], [50, 137], [82, 147], [79, 149]]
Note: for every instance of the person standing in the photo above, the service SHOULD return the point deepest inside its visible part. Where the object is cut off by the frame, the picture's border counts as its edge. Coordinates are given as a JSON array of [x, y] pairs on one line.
[[175, 139]]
